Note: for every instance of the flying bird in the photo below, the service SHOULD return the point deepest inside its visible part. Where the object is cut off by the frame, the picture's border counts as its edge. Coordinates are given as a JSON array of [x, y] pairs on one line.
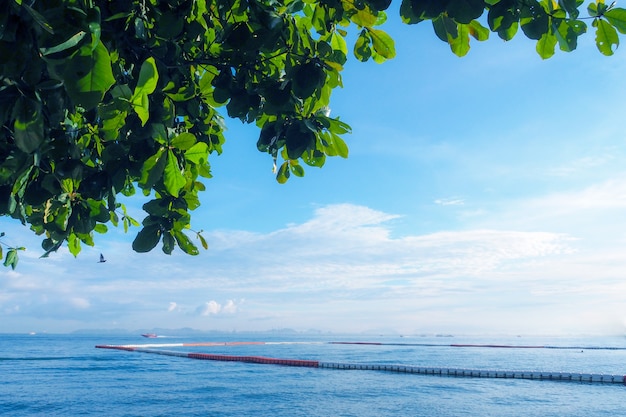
[[102, 259]]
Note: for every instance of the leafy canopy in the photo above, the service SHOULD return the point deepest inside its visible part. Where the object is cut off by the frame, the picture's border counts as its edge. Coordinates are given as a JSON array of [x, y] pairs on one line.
[[106, 98]]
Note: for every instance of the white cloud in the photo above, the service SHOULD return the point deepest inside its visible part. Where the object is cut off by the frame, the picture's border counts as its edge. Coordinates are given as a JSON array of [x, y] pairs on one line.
[[209, 308], [343, 270], [231, 307], [451, 201], [79, 303]]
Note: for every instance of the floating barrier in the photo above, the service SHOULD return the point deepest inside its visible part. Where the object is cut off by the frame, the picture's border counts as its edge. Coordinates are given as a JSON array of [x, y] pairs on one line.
[[406, 369]]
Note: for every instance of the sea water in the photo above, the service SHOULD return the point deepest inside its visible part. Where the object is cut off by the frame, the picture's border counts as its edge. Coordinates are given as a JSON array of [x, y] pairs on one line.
[[65, 375]]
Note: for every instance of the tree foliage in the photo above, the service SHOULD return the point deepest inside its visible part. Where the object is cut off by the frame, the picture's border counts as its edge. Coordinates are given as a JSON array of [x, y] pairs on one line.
[[106, 98]]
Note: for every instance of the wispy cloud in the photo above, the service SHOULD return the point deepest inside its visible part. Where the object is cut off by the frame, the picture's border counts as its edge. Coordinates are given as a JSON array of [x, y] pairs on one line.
[[450, 201]]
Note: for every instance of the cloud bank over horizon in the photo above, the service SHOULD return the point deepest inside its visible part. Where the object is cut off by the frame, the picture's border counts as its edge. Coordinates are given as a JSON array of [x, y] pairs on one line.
[[345, 269]]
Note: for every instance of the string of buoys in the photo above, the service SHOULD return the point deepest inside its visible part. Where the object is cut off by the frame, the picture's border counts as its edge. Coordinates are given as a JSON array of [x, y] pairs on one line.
[[407, 369]]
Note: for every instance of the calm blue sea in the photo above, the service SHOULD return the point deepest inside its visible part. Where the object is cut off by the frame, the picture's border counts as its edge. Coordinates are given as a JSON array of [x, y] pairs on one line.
[[65, 375]]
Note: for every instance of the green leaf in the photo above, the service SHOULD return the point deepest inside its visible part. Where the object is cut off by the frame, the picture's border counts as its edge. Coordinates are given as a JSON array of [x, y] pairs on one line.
[[503, 18], [571, 6], [567, 34], [87, 74], [606, 37], [148, 78], [460, 45], [464, 11], [296, 169], [147, 238], [101, 228], [382, 43], [534, 19], [68, 44], [545, 45], [173, 178], [414, 11], [184, 141], [340, 146], [28, 126], [152, 169], [362, 50], [169, 243], [73, 244], [299, 138], [11, 258], [41, 21], [283, 173], [445, 28], [185, 243], [198, 153], [307, 78], [478, 31], [202, 241], [617, 18]]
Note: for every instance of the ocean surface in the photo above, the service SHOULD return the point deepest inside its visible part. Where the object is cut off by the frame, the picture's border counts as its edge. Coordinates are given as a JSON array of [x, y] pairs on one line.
[[65, 375]]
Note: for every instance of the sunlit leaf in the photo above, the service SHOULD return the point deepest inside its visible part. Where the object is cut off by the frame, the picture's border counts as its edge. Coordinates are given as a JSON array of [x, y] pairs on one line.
[[185, 243], [617, 18], [173, 178], [146, 84], [606, 37], [545, 45], [382, 43], [73, 244]]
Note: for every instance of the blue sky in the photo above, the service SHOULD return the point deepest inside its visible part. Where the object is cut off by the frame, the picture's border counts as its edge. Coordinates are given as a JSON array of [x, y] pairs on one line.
[[482, 195]]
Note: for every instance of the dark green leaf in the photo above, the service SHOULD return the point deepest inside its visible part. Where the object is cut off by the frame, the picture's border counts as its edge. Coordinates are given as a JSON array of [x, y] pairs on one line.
[[533, 19], [464, 11], [147, 238], [152, 169], [362, 49], [169, 243], [28, 125], [307, 78]]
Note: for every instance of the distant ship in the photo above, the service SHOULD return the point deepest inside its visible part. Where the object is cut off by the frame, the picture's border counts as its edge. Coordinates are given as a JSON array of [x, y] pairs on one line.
[[150, 335]]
